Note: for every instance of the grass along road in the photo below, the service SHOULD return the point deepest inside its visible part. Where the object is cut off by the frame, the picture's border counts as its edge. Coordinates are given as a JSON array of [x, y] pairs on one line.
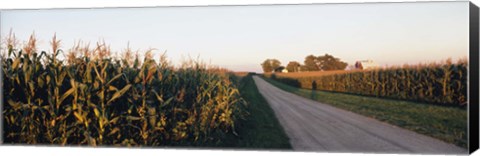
[[444, 123], [260, 130], [314, 126]]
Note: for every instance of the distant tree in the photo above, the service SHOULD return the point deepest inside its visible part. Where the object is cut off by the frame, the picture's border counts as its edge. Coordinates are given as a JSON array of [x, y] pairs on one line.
[[328, 62], [266, 66], [293, 66], [303, 68], [310, 63], [270, 65], [275, 63]]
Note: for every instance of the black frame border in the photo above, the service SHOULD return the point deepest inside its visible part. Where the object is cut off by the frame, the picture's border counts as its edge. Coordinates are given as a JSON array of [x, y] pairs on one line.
[[473, 96]]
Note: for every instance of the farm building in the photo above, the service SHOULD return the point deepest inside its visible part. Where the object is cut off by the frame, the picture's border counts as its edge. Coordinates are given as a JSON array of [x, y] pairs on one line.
[[366, 64], [280, 69]]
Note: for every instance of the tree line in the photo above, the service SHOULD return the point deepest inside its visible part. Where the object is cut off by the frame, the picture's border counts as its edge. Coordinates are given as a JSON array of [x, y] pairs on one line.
[[311, 63]]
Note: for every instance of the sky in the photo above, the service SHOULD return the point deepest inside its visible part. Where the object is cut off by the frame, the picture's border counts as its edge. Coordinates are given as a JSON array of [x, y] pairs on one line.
[[242, 37]]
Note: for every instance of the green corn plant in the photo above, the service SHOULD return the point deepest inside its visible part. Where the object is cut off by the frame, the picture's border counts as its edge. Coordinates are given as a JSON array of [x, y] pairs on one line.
[[94, 99], [436, 83]]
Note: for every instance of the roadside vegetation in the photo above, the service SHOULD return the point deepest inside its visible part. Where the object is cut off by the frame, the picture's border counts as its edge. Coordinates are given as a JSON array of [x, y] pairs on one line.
[[89, 97], [445, 123], [260, 129], [443, 83], [92, 98]]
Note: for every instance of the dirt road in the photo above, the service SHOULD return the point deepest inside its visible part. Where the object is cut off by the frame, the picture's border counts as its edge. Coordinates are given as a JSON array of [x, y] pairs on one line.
[[313, 126]]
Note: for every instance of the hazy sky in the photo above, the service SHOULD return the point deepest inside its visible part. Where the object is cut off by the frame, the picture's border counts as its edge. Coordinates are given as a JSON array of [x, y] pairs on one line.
[[241, 37]]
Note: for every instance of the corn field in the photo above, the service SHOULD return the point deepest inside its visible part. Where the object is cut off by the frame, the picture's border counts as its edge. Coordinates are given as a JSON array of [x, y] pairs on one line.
[[91, 98], [443, 84]]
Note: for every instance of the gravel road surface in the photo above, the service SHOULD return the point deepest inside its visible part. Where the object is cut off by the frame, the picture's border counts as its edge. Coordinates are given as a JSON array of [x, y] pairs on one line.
[[313, 126]]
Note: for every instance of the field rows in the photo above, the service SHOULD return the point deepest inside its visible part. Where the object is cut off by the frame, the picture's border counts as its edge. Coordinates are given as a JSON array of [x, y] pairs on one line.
[[443, 84], [94, 99]]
